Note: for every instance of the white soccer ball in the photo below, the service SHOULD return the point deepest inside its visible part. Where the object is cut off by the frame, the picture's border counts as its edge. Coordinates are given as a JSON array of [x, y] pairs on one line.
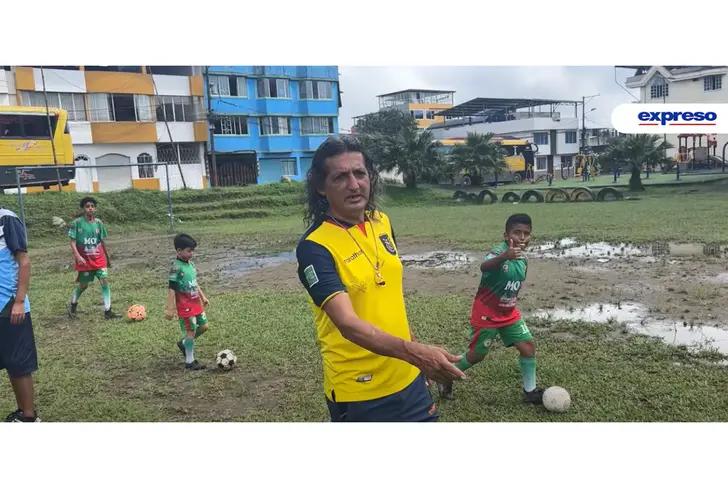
[[556, 399], [226, 360]]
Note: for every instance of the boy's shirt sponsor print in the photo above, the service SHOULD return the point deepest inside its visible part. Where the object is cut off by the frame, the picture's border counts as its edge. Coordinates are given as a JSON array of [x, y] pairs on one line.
[[495, 302], [183, 279]]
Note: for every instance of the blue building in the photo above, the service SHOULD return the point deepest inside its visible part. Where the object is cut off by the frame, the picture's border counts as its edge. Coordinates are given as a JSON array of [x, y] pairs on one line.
[[267, 121]]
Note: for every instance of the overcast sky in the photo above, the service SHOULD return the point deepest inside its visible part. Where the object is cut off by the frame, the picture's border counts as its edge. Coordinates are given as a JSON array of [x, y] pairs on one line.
[[361, 85]]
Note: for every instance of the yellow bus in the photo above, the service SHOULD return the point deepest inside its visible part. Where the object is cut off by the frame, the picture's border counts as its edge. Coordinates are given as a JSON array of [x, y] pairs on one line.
[[518, 155], [25, 140]]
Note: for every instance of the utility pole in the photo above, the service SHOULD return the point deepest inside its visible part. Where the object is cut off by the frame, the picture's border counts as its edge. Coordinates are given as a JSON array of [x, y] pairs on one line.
[[50, 129], [169, 134], [211, 129]]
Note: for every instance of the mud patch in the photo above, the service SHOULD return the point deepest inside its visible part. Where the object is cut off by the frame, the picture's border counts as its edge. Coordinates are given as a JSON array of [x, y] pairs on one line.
[[637, 319]]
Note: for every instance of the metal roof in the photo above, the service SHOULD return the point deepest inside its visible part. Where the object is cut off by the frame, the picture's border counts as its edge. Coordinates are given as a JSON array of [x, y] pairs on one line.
[[415, 90], [479, 106]]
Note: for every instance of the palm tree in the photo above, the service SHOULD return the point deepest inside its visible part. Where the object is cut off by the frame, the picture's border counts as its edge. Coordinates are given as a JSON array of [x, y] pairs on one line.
[[479, 156], [637, 150], [413, 153]]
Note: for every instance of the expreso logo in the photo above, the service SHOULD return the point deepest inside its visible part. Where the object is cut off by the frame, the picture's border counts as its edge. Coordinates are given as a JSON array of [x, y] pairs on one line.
[[674, 118]]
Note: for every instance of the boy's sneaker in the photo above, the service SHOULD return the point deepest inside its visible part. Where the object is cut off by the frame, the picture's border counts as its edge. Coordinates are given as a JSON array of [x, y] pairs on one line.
[[445, 391], [181, 348], [110, 314], [195, 365], [71, 309], [17, 416], [534, 396]]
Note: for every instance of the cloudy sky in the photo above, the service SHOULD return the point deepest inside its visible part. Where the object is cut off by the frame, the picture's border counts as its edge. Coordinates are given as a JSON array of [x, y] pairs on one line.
[[361, 85]]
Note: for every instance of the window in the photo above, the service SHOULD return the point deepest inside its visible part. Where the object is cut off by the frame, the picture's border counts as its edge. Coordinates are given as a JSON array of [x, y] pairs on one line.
[[288, 167], [541, 138], [143, 106], [30, 126], [175, 109], [73, 103], [123, 107], [188, 152], [99, 109], [146, 171], [233, 125], [712, 82], [317, 125], [430, 114], [228, 86], [272, 88], [541, 162], [418, 114], [315, 90], [274, 125], [571, 137], [659, 87]]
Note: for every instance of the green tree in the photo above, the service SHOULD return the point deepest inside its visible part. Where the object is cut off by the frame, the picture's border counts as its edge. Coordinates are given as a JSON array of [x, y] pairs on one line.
[[392, 139], [636, 151], [478, 157]]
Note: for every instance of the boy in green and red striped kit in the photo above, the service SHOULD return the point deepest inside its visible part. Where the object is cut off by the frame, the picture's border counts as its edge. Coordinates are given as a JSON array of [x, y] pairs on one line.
[[185, 298], [90, 253], [494, 312]]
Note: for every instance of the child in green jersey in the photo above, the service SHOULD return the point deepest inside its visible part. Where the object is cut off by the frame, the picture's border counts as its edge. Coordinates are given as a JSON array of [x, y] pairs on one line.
[[185, 298], [494, 312], [91, 255]]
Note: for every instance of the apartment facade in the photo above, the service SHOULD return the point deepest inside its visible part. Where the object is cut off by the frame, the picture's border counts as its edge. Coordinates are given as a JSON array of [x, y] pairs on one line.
[[683, 84], [123, 115], [267, 121], [422, 104]]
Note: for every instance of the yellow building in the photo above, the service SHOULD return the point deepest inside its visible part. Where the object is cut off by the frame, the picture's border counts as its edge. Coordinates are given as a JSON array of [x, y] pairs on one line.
[[421, 104], [123, 115]]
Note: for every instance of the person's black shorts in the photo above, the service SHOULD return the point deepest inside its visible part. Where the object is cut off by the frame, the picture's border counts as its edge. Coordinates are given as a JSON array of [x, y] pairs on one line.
[[413, 404], [17, 347]]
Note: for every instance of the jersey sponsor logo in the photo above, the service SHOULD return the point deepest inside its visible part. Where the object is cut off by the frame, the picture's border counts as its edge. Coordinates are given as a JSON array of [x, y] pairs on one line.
[[505, 268], [388, 244], [365, 378], [310, 274], [352, 257], [513, 286], [89, 241]]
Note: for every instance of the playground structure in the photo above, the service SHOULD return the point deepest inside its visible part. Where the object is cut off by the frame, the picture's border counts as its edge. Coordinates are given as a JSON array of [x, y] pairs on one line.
[[696, 156]]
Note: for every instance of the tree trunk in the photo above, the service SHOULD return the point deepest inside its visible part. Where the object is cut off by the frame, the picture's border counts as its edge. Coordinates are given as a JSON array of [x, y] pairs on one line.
[[410, 179], [635, 181]]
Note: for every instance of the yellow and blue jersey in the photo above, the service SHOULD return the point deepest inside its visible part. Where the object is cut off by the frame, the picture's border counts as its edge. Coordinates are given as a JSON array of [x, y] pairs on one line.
[[333, 259]]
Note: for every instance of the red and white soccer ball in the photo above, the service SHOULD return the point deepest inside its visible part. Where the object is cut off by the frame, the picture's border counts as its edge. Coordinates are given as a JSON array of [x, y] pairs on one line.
[[226, 360], [136, 313]]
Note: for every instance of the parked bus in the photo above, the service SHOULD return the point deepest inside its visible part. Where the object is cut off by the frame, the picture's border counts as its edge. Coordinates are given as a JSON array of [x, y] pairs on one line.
[[25, 140], [518, 154]]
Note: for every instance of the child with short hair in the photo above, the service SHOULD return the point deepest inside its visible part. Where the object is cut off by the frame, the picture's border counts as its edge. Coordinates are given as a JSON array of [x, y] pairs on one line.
[[494, 312], [91, 255], [186, 299]]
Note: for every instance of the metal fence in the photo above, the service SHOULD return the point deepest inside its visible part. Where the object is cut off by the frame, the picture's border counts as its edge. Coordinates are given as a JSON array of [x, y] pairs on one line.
[[23, 169]]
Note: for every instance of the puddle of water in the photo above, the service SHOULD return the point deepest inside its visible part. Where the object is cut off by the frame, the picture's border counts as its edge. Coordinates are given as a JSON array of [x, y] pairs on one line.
[[604, 252], [720, 279], [635, 317], [243, 265], [437, 260]]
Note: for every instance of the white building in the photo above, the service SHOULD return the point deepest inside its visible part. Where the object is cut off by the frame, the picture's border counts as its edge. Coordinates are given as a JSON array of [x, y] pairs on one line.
[[682, 84], [553, 125], [123, 115]]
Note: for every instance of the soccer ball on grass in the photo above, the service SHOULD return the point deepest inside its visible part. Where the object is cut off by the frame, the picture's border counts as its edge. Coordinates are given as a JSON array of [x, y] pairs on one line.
[[556, 399], [136, 313], [226, 360]]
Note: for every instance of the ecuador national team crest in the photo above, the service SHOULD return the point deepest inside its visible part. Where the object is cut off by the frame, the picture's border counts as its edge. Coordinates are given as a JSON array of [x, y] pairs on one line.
[[388, 244]]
